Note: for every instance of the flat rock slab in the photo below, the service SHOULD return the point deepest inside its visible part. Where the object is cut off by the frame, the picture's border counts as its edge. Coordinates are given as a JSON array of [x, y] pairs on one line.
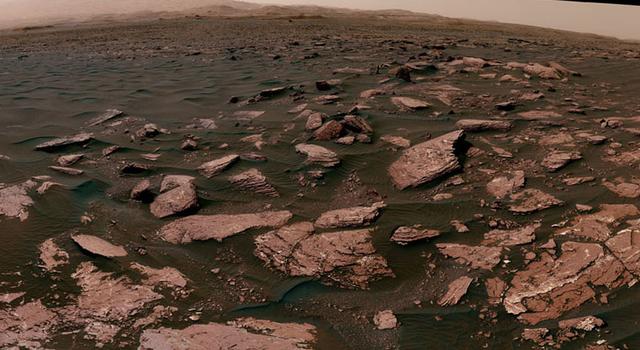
[[238, 335], [427, 161], [215, 167], [532, 200], [455, 291], [409, 103], [350, 217], [506, 238], [167, 276], [99, 246], [221, 226], [557, 160], [61, 142], [476, 257], [346, 258], [502, 186], [550, 286], [52, 256], [14, 200], [318, 155], [597, 226], [477, 125]]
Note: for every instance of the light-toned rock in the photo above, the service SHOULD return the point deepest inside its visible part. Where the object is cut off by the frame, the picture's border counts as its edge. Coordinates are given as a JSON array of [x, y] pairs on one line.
[[215, 167], [350, 217], [318, 155]]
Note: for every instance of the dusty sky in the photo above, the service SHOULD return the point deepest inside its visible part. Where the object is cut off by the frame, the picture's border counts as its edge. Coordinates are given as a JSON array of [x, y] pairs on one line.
[[614, 20]]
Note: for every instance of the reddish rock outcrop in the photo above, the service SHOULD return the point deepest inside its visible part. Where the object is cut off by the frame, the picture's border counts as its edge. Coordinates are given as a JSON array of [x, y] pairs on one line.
[[243, 334], [345, 258], [477, 125], [476, 257]]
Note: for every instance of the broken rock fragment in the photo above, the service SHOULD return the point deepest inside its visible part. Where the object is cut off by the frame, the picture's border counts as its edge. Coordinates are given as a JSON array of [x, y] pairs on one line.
[[220, 226], [350, 217], [328, 131], [385, 320], [318, 155], [167, 276], [58, 143], [346, 258], [556, 160], [506, 238], [503, 186], [455, 291], [427, 161], [215, 167], [531, 200]]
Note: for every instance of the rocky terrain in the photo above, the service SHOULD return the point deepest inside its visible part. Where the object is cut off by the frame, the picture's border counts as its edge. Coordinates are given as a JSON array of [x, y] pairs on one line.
[[361, 181]]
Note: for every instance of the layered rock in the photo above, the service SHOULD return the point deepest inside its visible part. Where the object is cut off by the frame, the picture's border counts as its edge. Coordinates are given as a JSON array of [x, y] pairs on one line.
[[254, 181], [219, 227], [318, 155], [408, 234], [427, 161], [345, 258], [477, 125], [350, 217]]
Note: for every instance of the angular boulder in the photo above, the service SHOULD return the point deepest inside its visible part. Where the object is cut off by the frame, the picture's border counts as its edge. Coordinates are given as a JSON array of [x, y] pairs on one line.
[[427, 161]]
